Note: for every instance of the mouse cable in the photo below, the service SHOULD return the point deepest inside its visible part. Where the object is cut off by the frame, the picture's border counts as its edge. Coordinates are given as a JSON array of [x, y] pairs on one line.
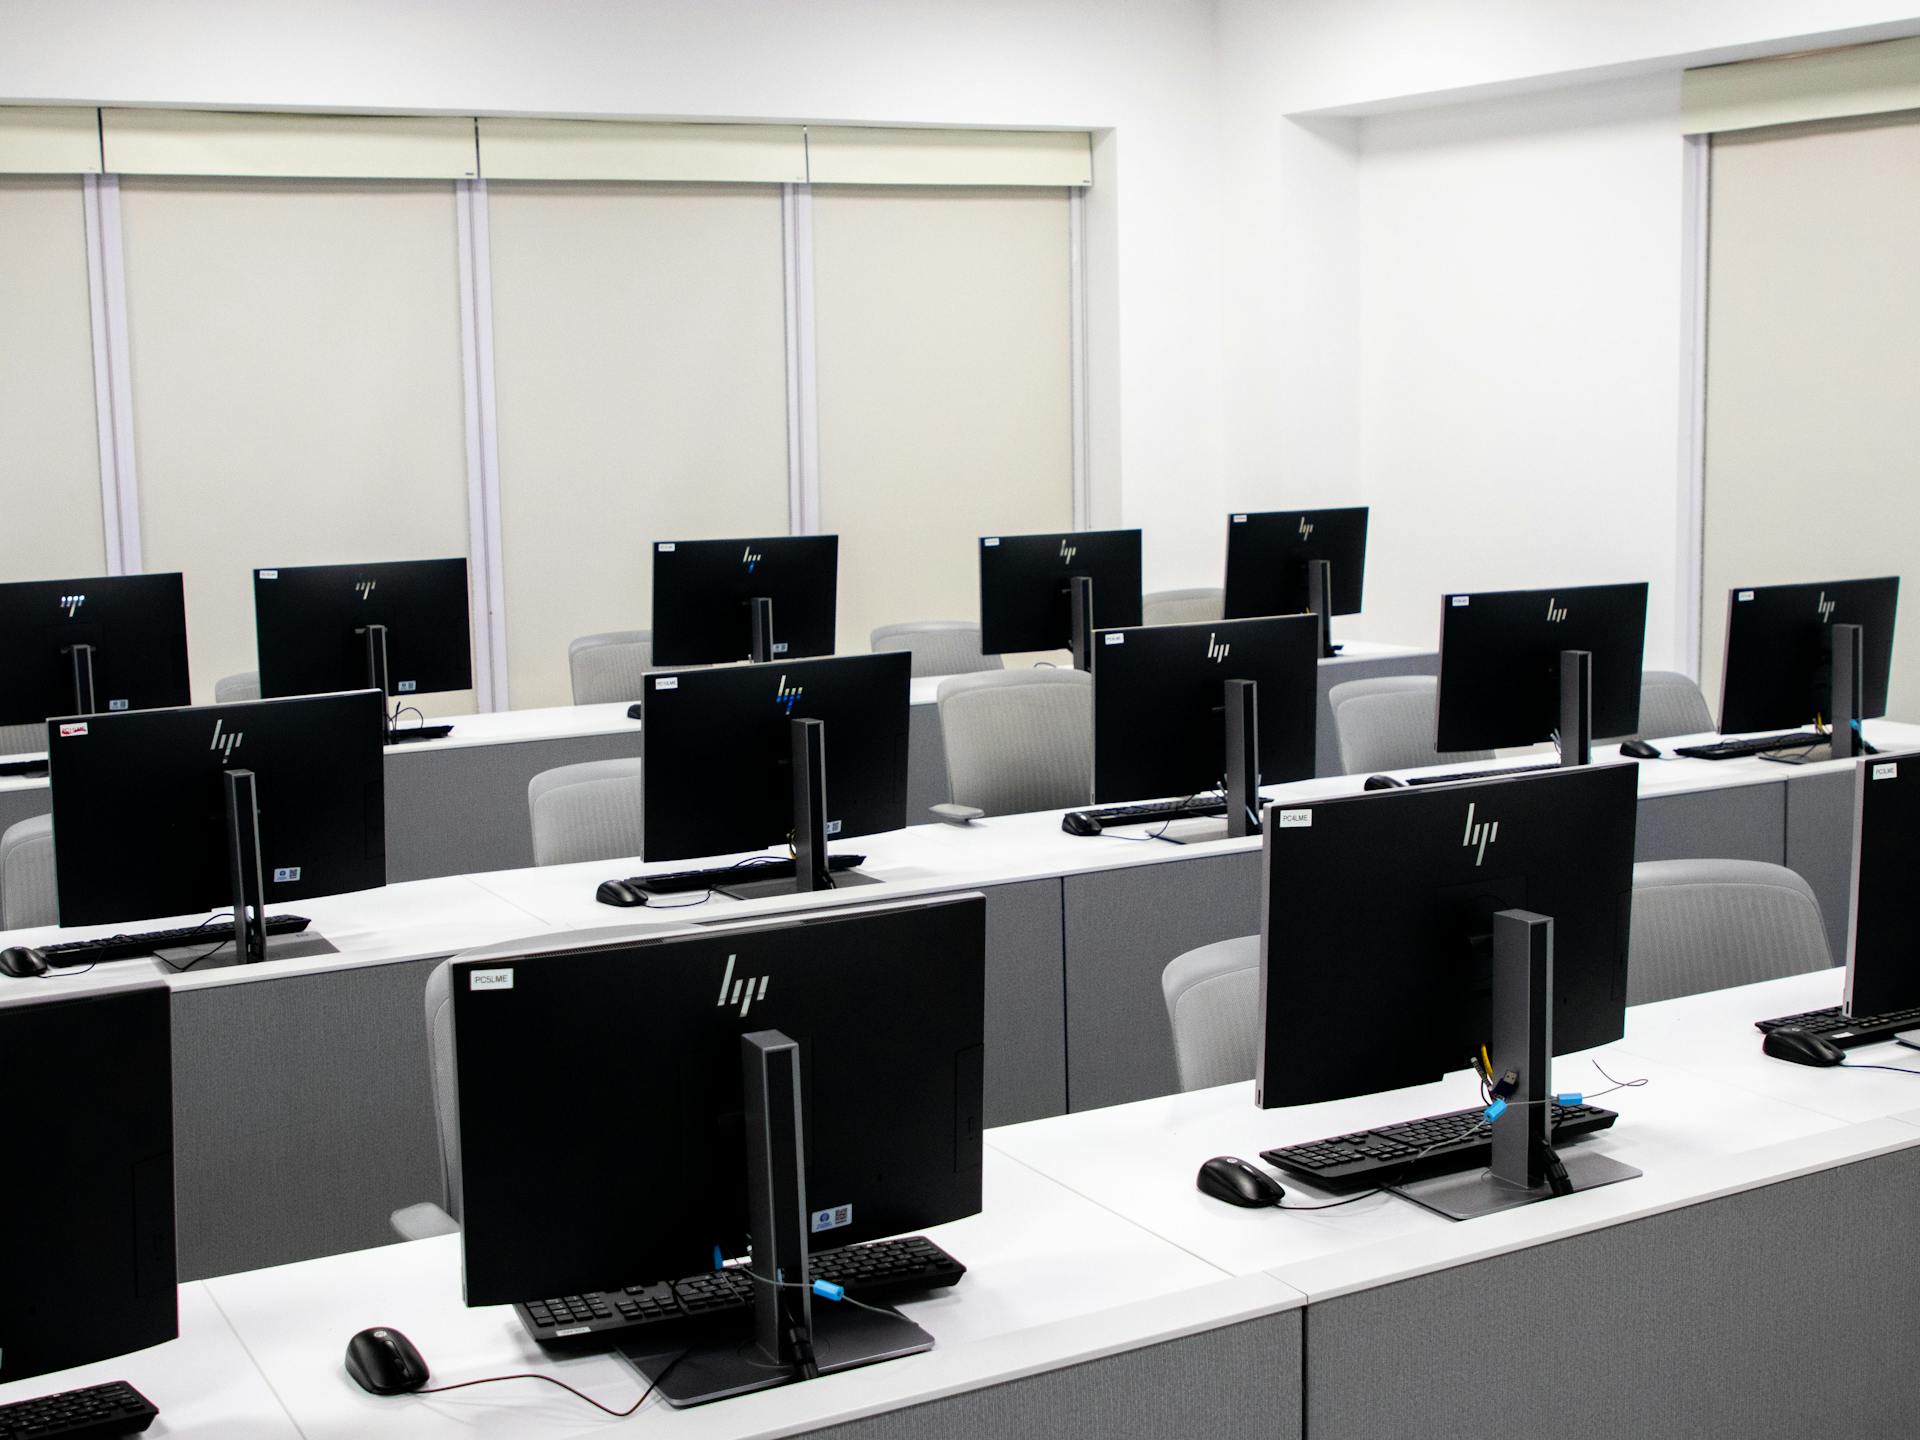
[[551, 1380], [1896, 1069]]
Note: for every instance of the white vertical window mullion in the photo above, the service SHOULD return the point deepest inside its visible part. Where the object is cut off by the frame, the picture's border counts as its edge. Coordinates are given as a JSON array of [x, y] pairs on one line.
[[112, 384], [1690, 594], [803, 407], [486, 569], [1077, 322]]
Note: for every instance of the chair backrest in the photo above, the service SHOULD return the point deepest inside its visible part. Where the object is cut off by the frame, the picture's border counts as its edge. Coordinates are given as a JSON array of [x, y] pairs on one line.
[[229, 689], [610, 666], [590, 811], [22, 739], [1671, 704], [1709, 924], [1018, 740], [1182, 607], [1387, 723], [938, 647], [1213, 1004], [27, 893], [446, 1096]]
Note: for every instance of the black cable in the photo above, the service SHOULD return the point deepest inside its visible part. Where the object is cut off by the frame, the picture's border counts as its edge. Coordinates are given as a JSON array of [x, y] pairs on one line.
[[578, 1394], [1161, 833], [1897, 1069], [224, 941]]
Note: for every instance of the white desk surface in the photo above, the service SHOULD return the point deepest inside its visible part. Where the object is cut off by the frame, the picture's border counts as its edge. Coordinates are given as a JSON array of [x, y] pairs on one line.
[[1052, 1280], [205, 1384]]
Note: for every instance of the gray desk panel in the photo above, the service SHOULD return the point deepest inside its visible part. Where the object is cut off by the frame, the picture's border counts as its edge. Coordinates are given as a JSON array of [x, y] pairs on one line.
[[1742, 822], [303, 1115], [1820, 846], [1241, 1381], [1122, 927], [1026, 1003], [926, 763], [463, 811], [1686, 1323]]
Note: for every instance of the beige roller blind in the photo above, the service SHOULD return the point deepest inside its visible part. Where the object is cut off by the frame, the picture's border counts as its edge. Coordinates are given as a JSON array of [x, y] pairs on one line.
[[617, 150], [1813, 371], [871, 155], [640, 374], [945, 389], [297, 387], [218, 142], [49, 443], [44, 140], [1790, 89]]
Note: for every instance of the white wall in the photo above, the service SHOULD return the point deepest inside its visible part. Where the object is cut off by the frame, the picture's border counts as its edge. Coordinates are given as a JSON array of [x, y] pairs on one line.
[[1143, 70]]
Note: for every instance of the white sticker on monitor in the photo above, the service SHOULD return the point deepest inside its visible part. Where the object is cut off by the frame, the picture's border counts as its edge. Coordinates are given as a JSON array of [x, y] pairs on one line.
[[1115, 639], [780, 647], [991, 541], [119, 705], [833, 826], [1239, 519], [286, 874], [1886, 771], [1459, 601], [1296, 819], [267, 574], [67, 732], [490, 979], [406, 687], [666, 682], [836, 1217], [1744, 595], [665, 546]]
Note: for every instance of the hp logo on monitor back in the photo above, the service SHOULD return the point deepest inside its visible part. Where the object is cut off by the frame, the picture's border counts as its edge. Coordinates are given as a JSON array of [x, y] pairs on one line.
[[72, 603], [1067, 552], [1306, 527], [1826, 608], [742, 992], [1555, 613], [364, 588], [1216, 650], [787, 694], [1479, 836], [223, 741], [750, 557]]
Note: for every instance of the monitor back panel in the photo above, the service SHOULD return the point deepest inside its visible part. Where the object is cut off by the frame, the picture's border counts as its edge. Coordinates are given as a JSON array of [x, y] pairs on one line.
[[309, 622], [1267, 555], [1381, 906], [1159, 696], [1500, 662], [87, 1258], [703, 593], [1779, 666], [718, 767], [137, 625], [1025, 585], [600, 1112], [1883, 951], [139, 804]]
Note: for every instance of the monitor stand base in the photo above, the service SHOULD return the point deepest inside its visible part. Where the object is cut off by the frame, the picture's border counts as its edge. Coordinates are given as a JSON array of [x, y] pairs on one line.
[[731, 1364], [1480, 1192], [789, 885], [279, 947], [409, 734]]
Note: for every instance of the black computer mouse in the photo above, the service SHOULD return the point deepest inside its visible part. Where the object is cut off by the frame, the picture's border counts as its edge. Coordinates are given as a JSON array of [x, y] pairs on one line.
[[382, 1361], [1078, 822], [633, 711], [22, 962], [1639, 750], [1384, 782], [1229, 1178], [1802, 1047], [619, 892]]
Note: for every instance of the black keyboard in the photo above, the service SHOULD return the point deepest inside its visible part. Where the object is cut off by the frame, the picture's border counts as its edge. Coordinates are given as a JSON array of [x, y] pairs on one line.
[[418, 732], [875, 1272], [16, 769], [675, 882], [129, 947], [1479, 774], [1437, 1145], [1751, 745], [93, 1413], [1843, 1029], [1092, 822]]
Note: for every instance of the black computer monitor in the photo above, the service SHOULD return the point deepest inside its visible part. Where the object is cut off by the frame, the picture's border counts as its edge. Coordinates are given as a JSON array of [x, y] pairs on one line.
[[771, 597], [399, 626], [1269, 555], [1161, 698], [1779, 659], [87, 1263], [1028, 585], [1381, 904], [102, 643], [718, 770], [151, 808], [1500, 678], [1883, 932], [639, 1172]]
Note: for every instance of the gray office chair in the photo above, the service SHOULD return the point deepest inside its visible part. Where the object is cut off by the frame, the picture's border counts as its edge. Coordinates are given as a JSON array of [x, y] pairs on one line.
[[590, 811], [1182, 607], [27, 895], [1018, 740], [1671, 704], [938, 647], [1387, 723], [418, 1222], [1213, 1004], [1709, 924], [609, 666], [230, 688], [22, 739]]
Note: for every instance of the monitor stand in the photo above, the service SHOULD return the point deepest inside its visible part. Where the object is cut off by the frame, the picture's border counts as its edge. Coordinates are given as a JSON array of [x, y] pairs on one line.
[[810, 872], [379, 679], [1080, 620], [1847, 699], [789, 1336], [250, 943], [761, 646], [83, 693], [1243, 758], [1574, 732], [1524, 1161], [1320, 603]]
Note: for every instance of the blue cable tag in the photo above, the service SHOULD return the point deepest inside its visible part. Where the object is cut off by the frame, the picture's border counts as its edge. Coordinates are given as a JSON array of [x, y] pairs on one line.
[[827, 1290], [1572, 1097], [719, 1260], [1495, 1110]]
